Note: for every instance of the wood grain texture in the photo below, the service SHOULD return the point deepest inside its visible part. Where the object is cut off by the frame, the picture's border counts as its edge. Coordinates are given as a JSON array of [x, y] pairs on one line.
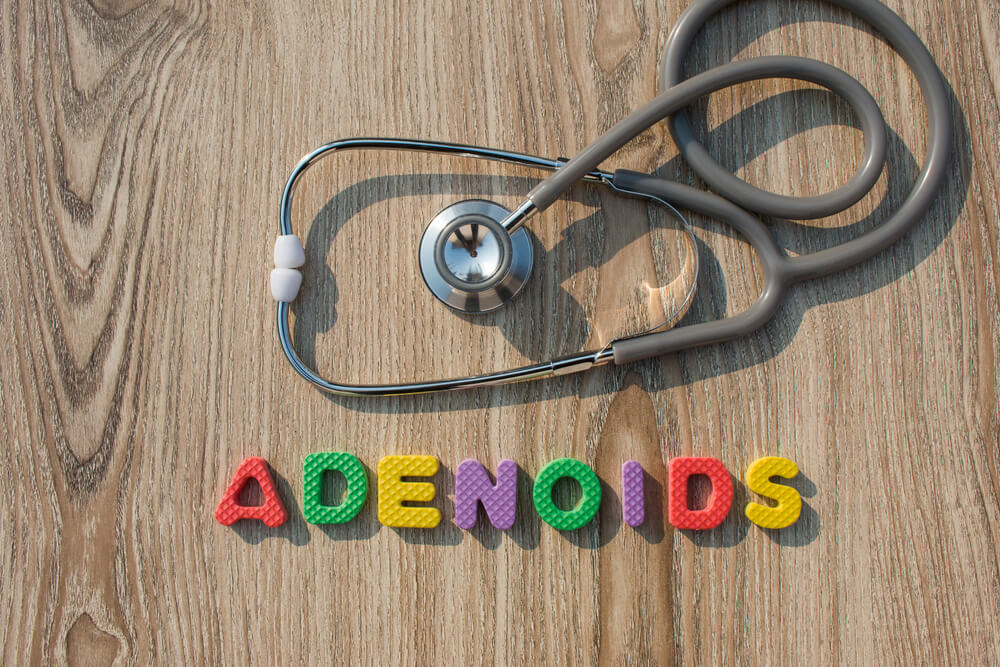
[[146, 146]]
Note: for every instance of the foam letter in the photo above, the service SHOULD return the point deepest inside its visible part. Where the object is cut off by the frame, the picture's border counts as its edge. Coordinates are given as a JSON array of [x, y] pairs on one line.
[[318, 463], [589, 501], [272, 512], [473, 485], [393, 491], [681, 470], [633, 494], [789, 506]]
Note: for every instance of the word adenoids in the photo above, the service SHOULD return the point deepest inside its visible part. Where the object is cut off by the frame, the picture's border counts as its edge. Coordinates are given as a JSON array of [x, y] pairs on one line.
[[497, 494]]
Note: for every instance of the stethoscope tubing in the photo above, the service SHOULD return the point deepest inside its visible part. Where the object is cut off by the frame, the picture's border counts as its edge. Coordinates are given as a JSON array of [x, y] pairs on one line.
[[732, 199], [780, 270]]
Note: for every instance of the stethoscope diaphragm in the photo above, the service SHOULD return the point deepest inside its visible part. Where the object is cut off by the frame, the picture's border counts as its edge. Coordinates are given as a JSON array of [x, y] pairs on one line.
[[469, 261]]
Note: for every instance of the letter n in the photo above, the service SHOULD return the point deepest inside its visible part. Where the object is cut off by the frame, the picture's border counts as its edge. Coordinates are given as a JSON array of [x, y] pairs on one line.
[[473, 486]]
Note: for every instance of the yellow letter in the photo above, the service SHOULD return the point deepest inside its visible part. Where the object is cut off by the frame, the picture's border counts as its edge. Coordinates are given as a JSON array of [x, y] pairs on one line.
[[392, 491], [759, 475]]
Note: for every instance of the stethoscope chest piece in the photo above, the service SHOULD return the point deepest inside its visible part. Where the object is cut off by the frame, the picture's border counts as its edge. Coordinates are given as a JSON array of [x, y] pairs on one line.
[[469, 260]]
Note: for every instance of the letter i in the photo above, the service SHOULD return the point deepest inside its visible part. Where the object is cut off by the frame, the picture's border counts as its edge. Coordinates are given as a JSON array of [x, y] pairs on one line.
[[633, 494]]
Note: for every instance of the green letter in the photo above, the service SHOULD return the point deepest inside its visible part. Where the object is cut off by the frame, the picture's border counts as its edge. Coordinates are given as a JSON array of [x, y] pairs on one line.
[[584, 510], [357, 487]]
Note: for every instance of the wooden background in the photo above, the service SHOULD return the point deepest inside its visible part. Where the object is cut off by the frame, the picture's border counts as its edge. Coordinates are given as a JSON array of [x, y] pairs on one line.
[[145, 148]]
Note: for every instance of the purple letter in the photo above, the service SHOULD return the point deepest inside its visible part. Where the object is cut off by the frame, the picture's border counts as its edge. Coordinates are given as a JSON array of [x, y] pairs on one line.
[[472, 484], [633, 500]]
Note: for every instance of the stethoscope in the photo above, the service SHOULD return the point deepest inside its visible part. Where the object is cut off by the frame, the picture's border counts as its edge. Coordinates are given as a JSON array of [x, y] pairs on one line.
[[475, 256]]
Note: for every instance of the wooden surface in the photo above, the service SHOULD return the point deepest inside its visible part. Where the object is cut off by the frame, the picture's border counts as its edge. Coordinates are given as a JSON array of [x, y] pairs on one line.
[[145, 148]]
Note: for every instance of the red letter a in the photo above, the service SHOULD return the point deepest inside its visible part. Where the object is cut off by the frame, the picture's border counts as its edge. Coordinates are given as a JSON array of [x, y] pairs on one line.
[[272, 512], [681, 470]]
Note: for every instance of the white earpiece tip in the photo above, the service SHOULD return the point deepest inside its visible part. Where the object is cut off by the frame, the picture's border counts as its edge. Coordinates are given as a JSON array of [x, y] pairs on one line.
[[288, 252], [285, 284]]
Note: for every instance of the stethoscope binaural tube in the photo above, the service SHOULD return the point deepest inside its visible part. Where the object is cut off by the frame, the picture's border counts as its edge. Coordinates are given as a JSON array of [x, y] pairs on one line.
[[732, 199]]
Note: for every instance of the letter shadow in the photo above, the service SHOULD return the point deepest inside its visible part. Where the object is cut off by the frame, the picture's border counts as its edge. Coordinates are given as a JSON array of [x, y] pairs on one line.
[[732, 530], [527, 528], [652, 527], [446, 533], [608, 522], [295, 529], [806, 529], [365, 525], [599, 530]]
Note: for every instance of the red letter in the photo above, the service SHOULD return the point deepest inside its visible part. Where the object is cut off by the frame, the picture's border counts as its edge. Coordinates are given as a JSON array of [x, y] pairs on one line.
[[681, 469], [272, 512]]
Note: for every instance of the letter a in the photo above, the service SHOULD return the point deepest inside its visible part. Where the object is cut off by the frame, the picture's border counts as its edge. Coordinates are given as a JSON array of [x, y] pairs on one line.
[[272, 512]]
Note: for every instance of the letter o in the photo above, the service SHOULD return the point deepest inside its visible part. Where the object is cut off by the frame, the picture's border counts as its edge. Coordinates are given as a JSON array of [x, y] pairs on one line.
[[585, 509]]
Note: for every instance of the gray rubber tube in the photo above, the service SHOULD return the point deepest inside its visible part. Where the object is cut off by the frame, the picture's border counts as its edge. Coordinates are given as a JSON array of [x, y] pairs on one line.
[[674, 99], [734, 198]]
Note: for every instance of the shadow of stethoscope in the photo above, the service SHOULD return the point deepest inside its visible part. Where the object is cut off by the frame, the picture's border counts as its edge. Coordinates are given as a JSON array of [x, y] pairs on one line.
[[549, 336]]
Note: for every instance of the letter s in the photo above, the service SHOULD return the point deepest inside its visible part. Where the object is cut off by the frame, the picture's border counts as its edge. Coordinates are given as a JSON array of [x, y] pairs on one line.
[[789, 506]]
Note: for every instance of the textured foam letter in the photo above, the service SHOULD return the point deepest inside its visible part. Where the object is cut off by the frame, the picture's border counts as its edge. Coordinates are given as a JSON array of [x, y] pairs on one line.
[[357, 487], [681, 470], [473, 485], [272, 512], [789, 506], [392, 491], [589, 501], [633, 494]]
